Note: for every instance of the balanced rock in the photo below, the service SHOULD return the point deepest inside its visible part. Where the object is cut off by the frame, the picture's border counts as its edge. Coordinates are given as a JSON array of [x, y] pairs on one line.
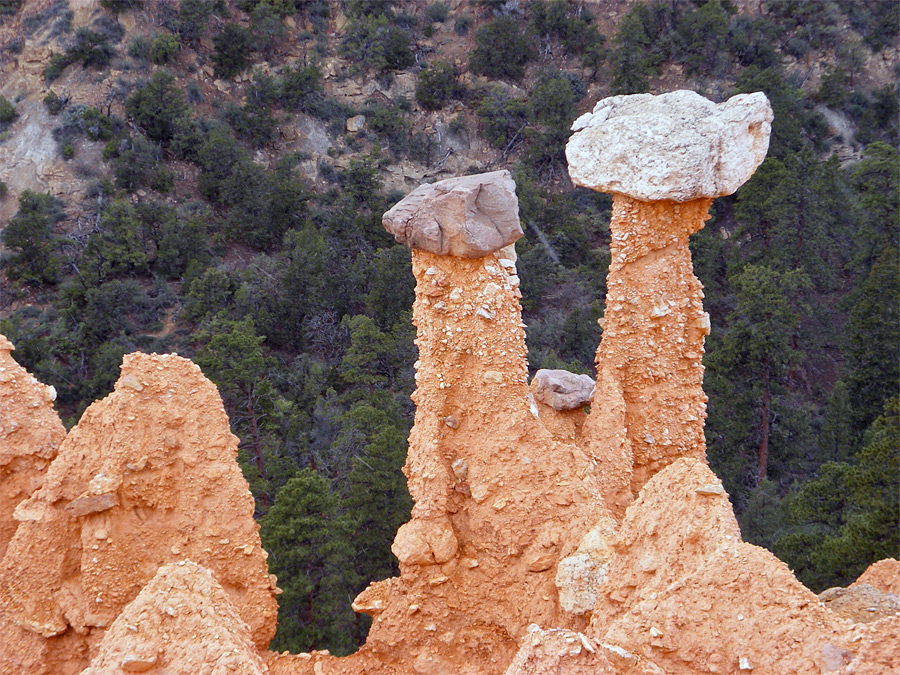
[[30, 433], [181, 622], [678, 146], [468, 216], [562, 390]]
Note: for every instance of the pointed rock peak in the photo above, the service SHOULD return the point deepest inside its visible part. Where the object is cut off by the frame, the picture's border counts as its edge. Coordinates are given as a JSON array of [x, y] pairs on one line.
[[181, 622], [30, 434], [147, 477]]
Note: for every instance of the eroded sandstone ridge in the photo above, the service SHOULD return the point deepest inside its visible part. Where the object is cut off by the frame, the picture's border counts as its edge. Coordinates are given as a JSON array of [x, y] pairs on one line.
[[30, 434], [547, 537], [147, 477]]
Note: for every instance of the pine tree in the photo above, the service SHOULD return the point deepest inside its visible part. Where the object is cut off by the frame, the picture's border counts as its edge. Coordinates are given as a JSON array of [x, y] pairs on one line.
[[846, 518], [310, 551], [34, 256], [378, 502]]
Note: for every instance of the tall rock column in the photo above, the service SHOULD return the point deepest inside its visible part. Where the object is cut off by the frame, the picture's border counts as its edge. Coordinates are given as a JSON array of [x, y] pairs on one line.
[[498, 502], [664, 158]]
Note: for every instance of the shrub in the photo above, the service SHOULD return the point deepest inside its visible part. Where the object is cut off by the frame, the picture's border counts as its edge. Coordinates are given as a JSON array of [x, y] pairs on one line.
[[462, 24], [139, 48], [502, 50], [163, 48], [91, 48], [253, 121], [8, 112], [553, 99], [301, 87], [68, 151], [54, 103], [4, 190], [267, 27], [136, 163], [701, 39], [389, 123], [10, 7], [116, 6], [437, 85], [193, 16], [58, 63], [436, 12], [159, 108], [233, 46], [502, 118], [376, 44]]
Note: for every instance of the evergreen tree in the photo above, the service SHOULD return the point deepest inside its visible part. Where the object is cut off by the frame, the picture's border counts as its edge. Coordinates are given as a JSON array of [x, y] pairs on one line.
[[310, 551], [873, 330], [749, 367], [378, 502], [34, 256], [232, 356], [846, 518]]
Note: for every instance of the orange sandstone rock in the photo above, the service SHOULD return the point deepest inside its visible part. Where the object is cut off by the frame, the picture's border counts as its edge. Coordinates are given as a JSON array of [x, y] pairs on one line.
[[861, 603], [680, 519], [147, 477], [181, 622], [649, 398], [553, 651], [498, 501], [883, 575], [30, 433]]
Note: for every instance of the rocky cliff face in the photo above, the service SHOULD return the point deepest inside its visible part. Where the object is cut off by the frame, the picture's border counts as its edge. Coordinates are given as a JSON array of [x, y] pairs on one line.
[[544, 538]]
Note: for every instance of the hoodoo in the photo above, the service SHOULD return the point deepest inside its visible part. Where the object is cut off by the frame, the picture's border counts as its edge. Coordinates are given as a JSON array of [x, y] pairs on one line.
[[560, 526], [664, 158]]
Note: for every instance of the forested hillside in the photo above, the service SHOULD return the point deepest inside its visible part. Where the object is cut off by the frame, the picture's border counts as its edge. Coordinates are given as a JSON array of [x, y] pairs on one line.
[[226, 166]]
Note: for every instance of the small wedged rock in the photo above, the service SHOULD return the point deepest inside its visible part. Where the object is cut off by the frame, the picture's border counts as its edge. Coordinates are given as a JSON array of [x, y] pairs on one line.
[[30, 434], [468, 216], [425, 542], [181, 622], [678, 146], [562, 390]]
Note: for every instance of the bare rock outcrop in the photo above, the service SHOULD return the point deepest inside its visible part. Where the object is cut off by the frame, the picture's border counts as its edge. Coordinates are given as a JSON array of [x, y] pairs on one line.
[[883, 575], [30, 434], [181, 622], [147, 477]]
